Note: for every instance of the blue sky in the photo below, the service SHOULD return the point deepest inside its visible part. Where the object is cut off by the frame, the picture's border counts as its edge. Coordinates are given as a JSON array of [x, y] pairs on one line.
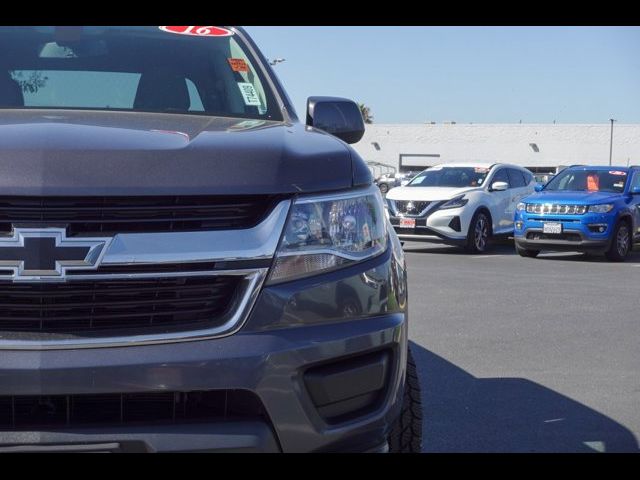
[[464, 74]]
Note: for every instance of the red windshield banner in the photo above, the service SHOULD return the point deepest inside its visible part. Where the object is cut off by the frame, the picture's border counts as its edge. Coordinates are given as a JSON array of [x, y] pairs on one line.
[[199, 31]]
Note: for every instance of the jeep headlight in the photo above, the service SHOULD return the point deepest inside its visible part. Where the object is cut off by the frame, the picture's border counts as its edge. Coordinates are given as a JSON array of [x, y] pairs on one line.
[[521, 206], [604, 208], [327, 232]]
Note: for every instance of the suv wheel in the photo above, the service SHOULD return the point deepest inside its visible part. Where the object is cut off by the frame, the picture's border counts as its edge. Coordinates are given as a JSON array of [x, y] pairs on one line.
[[479, 233], [525, 252], [620, 243], [384, 188], [406, 432]]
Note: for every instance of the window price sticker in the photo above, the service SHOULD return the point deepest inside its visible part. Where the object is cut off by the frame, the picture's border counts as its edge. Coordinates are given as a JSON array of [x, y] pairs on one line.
[[249, 94], [238, 64]]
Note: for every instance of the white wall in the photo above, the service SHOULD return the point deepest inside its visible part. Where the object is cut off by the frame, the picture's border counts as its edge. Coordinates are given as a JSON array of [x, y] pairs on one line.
[[559, 144]]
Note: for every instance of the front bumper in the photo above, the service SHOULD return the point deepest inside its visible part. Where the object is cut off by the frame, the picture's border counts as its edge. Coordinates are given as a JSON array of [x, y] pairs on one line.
[[579, 232], [449, 226], [293, 327]]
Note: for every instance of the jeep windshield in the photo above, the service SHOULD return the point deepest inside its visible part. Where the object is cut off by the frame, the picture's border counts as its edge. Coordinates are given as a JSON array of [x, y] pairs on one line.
[[146, 69], [450, 177], [587, 180]]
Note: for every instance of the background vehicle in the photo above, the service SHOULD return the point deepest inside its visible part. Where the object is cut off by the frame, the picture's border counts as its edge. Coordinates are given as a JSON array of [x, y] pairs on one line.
[[586, 209], [388, 181], [463, 204], [150, 303]]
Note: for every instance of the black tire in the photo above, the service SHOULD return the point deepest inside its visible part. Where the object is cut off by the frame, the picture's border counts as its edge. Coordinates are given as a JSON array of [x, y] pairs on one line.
[[479, 234], [406, 432], [525, 252], [620, 243], [384, 188]]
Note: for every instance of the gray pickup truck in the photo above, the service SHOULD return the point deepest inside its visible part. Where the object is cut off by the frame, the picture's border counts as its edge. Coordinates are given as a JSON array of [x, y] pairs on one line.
[[184, 265]]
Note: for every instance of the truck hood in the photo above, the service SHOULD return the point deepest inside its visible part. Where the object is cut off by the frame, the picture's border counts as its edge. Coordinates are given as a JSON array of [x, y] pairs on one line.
[[572, 198], [427, 193], [68, 152]]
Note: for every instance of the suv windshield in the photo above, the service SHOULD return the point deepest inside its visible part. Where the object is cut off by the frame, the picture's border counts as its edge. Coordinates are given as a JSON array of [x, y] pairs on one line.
[[174, 70], [586, 180], [450, 177]]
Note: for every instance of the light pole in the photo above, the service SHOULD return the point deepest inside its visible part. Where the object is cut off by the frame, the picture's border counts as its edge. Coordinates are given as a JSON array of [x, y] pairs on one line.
[[611, 141], [276, 61]]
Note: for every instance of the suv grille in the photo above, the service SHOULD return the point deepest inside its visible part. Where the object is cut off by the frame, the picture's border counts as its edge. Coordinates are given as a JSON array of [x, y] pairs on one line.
[[100, 216], [548, 208], [410, 207], [84, 306], [23, 412]]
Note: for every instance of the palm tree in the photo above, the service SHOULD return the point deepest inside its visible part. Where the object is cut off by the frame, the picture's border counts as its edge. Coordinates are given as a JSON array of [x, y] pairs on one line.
[[366, 113]]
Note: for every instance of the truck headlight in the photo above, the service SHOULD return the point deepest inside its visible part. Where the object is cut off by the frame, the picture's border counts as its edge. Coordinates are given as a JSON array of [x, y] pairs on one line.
[[327, 232], [604, 208], [521, 206]]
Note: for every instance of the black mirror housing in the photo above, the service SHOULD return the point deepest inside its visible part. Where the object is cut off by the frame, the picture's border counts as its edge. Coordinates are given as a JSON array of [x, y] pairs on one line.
[[340, 117]]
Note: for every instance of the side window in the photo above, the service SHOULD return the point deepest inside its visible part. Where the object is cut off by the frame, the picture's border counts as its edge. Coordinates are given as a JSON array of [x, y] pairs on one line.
[[528, 177], [500, 176], [635, 182], [516, 179]]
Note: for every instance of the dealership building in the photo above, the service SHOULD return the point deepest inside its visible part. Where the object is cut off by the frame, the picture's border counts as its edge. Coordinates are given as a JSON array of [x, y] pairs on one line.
[[543, 148]]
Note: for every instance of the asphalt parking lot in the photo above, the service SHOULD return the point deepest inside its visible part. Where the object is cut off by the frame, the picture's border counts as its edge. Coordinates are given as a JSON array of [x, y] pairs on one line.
[[525, 355]]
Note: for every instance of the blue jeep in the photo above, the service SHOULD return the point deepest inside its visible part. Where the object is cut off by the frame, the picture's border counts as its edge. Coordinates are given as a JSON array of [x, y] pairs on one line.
[[583, 208]]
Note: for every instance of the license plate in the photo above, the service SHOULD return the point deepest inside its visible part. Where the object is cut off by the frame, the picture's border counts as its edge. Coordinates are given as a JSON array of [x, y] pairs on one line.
[[407, 223], [552, 227]]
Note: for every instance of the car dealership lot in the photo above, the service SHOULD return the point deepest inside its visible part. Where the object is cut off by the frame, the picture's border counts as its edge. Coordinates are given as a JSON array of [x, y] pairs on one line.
[[522, 355]]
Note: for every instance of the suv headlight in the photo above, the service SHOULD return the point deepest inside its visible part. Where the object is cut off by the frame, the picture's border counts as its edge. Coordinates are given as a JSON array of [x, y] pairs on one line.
[[604, 208], [327, 232], [456, 202], [521, 206]]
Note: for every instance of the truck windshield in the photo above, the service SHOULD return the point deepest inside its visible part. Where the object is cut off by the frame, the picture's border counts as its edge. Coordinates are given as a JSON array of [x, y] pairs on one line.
[[450, 177], [192, 70], [585, 180]]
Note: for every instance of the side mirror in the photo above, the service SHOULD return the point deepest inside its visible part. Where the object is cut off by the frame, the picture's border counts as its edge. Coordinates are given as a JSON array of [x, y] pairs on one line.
[[635, 190], [538, 187], [338, 116], [499, 186]]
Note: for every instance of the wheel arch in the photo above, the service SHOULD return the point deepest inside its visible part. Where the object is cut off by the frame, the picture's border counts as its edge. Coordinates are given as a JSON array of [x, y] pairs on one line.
[[484, 209]]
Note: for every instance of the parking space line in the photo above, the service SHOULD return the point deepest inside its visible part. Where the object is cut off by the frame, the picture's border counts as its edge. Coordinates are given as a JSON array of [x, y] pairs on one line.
[[487, 256]]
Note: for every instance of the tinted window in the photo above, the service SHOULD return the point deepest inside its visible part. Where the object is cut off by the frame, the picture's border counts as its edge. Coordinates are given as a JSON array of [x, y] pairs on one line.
[[131, 68], [589, 180], [501, 176], [516, 179], [450, 177]]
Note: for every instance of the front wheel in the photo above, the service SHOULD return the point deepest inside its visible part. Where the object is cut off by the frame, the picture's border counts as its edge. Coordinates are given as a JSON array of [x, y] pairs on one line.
[[479, 233], [384, 188], [406, 432], [620, 243]]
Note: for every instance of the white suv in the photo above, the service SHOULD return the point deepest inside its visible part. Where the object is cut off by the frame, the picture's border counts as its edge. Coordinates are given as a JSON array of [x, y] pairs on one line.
[[463, 204]]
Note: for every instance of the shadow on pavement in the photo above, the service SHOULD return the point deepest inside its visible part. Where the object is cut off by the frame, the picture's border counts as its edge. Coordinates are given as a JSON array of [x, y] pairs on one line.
[[463, 413], [634, 257], [499, 248]]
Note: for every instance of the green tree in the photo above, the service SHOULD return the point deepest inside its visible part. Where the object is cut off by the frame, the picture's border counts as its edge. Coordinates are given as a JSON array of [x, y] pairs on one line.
[[32, 83], [366, 113]]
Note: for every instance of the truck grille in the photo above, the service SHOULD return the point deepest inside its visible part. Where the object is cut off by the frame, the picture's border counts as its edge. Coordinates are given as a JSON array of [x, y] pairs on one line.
[[38, 411], [152, 304], [101, 216]]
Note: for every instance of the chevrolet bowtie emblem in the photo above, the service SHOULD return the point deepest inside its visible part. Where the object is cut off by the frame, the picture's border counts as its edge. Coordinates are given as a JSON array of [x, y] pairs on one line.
[[47, 253]]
